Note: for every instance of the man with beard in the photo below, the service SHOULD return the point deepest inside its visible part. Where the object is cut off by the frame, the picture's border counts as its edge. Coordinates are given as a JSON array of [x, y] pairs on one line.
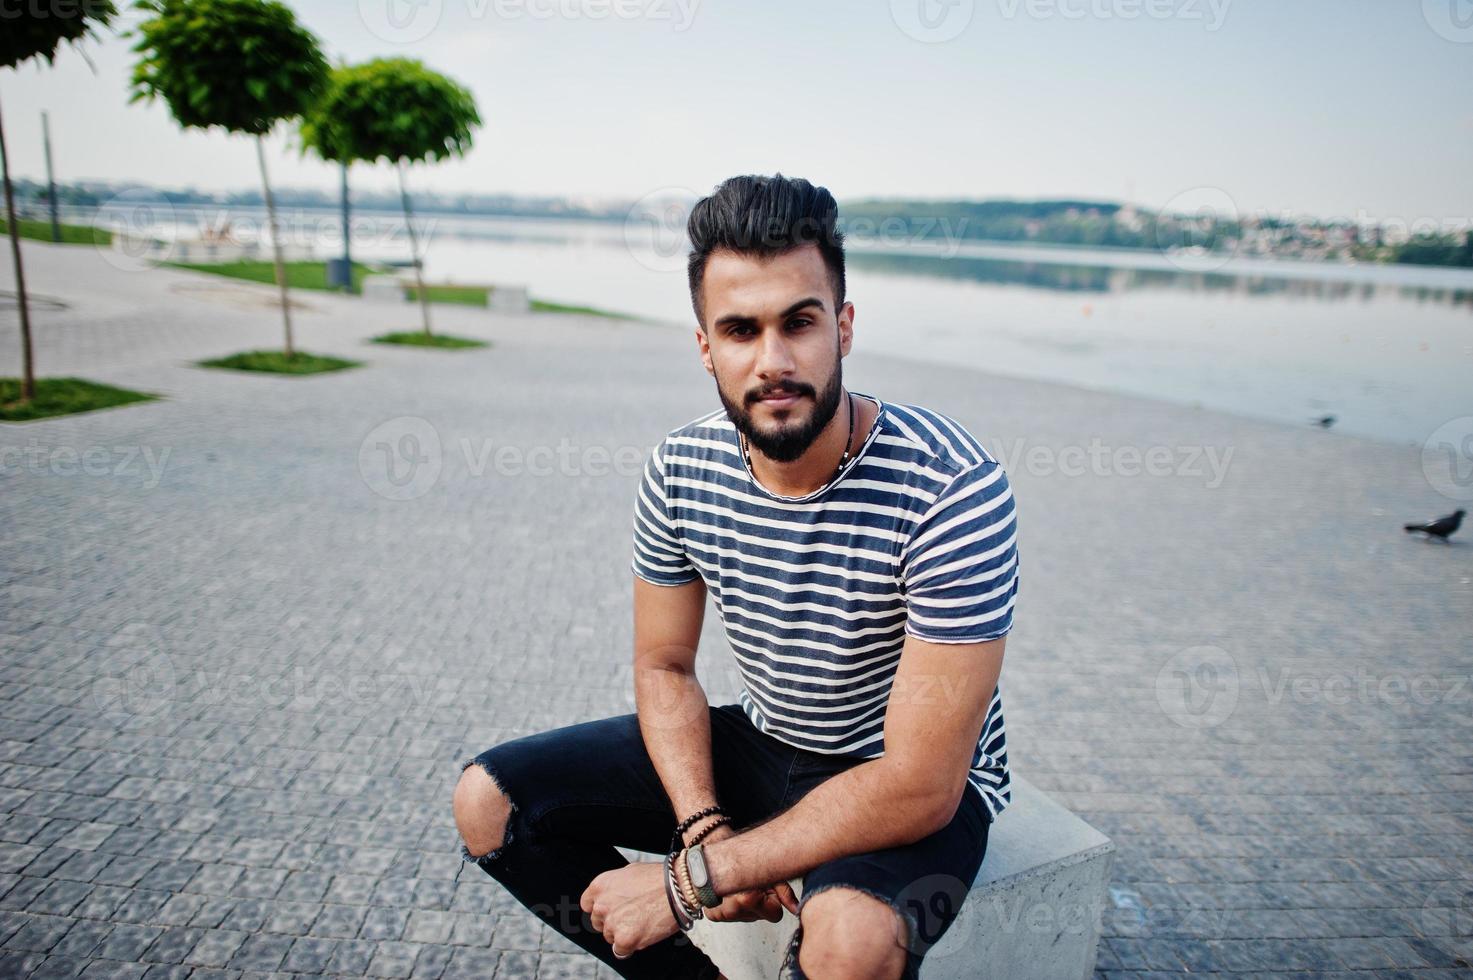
[[862, 556]]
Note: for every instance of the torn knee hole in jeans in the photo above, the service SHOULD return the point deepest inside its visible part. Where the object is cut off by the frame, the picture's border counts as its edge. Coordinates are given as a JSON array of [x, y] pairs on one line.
[[465, 852], [908, 924], [791, 970]]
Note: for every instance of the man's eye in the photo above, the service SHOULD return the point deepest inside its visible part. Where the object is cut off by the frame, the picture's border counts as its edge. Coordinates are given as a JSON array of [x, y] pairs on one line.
[[799, 322]]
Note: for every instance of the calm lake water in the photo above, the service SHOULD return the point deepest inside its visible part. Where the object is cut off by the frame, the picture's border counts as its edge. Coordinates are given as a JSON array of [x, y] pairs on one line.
[[1387, 350]]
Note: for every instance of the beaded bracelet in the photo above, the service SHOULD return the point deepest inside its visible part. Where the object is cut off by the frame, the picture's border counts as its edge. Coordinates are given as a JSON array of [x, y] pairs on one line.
[[723, 822], [687, 887], [684, 918], [688, 822]]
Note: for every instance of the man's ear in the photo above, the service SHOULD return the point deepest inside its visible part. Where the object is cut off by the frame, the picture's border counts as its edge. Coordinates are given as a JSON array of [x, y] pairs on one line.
[[846, 328], [705, 347]]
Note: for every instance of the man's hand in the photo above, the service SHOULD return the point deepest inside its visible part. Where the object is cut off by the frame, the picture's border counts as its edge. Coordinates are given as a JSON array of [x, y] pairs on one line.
[[754, 903], [628, 905]]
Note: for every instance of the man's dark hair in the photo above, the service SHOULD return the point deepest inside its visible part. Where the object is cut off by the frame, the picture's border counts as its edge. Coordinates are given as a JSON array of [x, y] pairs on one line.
[[765, 217]]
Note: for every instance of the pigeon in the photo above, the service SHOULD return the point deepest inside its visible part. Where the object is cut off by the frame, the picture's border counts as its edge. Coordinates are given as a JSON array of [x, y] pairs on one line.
[[1324, 421], [1440, 528]]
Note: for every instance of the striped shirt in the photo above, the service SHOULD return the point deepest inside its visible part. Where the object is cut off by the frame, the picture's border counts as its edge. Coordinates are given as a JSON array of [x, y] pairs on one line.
[[915, 537]]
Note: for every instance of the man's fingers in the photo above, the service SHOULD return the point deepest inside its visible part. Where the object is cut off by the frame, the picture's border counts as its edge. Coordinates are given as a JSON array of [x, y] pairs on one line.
[[754, 904], [746, 907]]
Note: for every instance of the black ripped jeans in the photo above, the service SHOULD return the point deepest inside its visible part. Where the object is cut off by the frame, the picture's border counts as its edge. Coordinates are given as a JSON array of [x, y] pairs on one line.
[[579, 792]]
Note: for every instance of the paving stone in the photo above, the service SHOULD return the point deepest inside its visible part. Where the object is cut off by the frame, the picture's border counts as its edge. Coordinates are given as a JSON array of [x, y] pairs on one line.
[[83, 938], [110, 970], [173, 945], [393, 959], [428, 927], [23, 893], [432, 962], [383, 924], [39, 933], [128, 942], [309, 955], [52, 968], [352, 956], [260, 797], [215, 948], [474, 964], [261, 952]]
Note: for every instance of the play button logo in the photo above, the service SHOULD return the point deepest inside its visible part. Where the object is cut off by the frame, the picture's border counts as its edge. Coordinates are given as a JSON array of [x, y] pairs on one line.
[[1451, 19], [400, 21]]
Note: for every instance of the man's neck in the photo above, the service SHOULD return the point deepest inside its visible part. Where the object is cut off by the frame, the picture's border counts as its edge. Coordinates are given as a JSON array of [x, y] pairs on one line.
[[816, 466]]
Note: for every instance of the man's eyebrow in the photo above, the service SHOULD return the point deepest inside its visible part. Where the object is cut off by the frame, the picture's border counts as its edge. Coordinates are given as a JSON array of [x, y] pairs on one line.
[[741, 319]]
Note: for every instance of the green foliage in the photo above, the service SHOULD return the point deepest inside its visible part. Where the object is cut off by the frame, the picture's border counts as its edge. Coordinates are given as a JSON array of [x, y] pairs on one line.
[[299, 275], [70, 234], [277, 362], [392, 109], [543, 306], [62, 396], [450, 293], [238, 64], [40, 28], [418, 338], [1454, 250]]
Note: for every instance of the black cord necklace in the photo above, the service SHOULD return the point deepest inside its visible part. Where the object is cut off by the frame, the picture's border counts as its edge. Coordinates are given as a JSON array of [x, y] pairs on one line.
[[842, 460]]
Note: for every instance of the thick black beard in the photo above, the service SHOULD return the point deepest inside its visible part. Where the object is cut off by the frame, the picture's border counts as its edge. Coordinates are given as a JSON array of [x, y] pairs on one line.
[[789, 442]]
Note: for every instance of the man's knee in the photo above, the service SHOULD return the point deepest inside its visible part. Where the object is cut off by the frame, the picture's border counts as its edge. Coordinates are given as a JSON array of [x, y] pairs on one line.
[[482, 811], [850, 933]]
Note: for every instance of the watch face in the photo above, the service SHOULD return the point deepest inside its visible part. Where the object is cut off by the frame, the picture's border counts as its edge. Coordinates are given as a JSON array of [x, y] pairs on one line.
[[697, 862]]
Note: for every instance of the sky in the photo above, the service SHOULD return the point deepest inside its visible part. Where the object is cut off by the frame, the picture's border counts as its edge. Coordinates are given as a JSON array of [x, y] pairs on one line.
[[1348, 108]]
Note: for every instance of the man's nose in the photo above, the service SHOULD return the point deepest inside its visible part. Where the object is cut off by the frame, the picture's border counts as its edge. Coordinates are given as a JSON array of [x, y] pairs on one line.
[[774, 359]]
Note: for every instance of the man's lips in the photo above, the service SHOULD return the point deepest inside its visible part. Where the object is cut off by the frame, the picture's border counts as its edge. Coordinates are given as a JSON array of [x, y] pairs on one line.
[[780, 399]]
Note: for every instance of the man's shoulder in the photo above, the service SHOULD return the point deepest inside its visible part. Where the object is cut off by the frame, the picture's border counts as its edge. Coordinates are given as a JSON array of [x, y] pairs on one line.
[[935, 440], [702, 439], [701, 427]]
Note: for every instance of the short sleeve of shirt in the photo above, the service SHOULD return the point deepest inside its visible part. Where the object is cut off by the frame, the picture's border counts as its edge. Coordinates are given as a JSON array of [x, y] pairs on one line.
[[659, 557], [960, 569]]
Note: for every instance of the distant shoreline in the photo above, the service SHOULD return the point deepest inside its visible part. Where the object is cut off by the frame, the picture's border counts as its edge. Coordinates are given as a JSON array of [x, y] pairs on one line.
[[1217, 230], [1050, 253]]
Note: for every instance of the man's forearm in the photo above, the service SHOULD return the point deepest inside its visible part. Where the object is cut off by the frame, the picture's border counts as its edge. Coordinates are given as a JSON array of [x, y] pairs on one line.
[[675, 720], [864, 808]]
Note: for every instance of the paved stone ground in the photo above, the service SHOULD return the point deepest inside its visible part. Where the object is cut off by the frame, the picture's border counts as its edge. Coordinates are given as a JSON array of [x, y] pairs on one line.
[[236, 685]]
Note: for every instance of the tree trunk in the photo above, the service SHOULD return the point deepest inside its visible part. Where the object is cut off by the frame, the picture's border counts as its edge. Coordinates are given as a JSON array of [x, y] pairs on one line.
[[424, 299], [347, 235], [286, 309], [28, 369]]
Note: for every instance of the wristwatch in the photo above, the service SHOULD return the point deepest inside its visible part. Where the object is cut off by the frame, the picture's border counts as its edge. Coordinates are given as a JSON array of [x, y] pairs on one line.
[[700, 876]]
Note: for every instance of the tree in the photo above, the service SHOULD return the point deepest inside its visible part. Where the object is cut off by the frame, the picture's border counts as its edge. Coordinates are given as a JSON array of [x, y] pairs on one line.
[[242, 65], [392, 109], [38, 29]]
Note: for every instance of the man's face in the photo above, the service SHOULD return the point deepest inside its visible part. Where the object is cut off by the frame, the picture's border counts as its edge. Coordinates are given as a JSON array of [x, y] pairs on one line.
[[773, 342]]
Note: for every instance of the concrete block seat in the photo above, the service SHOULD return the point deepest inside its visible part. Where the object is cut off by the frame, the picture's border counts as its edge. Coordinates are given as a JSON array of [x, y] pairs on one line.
[[383, 288], [1033, 912]]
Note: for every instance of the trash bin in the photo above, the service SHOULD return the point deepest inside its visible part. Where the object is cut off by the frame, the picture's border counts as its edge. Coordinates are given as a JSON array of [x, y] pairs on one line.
[[339, 274]]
